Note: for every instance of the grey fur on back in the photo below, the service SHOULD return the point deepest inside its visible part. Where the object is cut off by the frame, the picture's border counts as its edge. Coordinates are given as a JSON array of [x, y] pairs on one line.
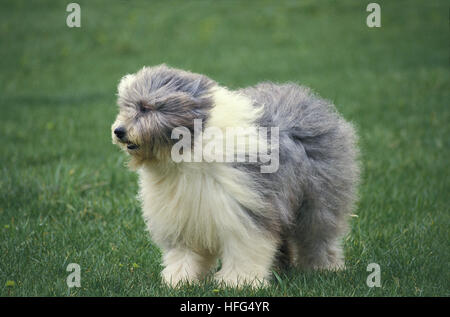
[[315, 187]]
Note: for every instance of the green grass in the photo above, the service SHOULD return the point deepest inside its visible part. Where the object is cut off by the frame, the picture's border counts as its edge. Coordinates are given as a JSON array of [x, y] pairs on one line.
[[66, 197]]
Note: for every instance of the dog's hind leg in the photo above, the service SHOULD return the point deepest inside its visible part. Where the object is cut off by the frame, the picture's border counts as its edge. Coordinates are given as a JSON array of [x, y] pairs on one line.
[[318, 238]]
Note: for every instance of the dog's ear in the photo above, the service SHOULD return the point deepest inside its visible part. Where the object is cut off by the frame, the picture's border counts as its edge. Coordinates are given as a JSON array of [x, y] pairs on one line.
[[124, 83]]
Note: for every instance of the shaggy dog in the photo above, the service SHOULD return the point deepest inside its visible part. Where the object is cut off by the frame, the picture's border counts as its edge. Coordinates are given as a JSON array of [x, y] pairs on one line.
[[199, 212]]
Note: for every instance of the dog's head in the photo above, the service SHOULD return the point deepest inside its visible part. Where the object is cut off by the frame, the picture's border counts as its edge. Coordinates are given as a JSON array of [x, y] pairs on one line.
[[154, 101]]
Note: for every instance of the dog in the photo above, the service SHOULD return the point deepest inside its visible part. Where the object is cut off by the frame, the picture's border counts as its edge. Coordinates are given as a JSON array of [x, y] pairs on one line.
[[200, 211]]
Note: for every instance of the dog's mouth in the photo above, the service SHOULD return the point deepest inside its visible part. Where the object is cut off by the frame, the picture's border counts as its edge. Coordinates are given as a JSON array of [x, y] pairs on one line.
[[132, 146]]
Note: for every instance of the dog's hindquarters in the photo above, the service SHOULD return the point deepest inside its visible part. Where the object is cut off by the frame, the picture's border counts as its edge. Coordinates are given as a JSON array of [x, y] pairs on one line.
[[315, 186], [330, 194]]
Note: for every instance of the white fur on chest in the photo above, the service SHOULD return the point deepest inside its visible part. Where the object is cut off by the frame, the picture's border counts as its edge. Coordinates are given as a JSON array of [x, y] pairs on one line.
[[196, 205]]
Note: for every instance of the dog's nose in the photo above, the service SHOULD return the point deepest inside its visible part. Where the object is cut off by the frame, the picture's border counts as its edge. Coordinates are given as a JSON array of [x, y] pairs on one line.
[[119, 132]]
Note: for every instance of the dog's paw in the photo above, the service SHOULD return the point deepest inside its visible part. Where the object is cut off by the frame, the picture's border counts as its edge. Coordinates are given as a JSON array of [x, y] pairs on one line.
[[176, 278], [334, 266], [240, 280]]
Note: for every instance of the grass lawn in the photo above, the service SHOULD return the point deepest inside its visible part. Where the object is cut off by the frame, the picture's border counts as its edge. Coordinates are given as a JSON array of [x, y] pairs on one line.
[[66, 197]]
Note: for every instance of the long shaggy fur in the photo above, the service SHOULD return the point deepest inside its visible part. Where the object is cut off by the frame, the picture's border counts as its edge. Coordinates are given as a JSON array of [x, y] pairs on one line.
[[200, 212]]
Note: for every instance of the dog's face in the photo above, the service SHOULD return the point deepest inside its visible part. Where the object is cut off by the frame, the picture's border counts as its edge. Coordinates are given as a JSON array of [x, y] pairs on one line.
[[154, 101]]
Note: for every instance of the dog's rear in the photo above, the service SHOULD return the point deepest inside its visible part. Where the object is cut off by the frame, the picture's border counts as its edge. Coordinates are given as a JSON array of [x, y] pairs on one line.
[[315, 188]]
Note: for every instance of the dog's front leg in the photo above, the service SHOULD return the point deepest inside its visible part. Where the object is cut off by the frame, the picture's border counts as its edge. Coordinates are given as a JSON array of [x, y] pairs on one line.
[[183, 265], [247, 259]]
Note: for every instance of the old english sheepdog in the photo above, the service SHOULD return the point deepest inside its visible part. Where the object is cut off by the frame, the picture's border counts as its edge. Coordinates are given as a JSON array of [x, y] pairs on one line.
[[199, 208]]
